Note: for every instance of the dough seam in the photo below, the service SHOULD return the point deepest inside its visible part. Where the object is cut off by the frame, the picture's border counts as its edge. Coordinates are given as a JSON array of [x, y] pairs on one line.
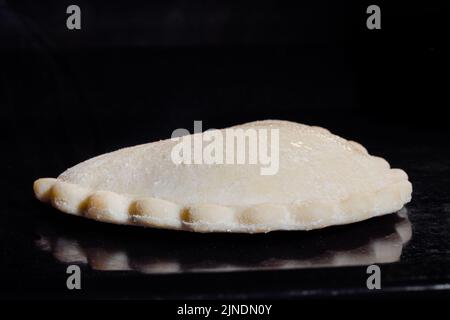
[[107, 206]]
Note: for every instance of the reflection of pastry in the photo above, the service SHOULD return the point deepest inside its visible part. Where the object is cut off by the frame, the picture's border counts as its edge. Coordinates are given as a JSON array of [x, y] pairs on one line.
[[155, 251], [322, 180]]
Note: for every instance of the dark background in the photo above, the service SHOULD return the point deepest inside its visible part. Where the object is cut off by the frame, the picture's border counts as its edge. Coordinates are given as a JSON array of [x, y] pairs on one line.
[[137, 70]]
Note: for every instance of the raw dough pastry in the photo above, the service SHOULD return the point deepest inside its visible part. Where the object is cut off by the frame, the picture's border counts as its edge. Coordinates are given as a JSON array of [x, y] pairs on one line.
[[322, 180]]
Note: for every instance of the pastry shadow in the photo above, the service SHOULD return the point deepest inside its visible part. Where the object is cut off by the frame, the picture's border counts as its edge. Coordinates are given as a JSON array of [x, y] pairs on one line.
[[114, 247]]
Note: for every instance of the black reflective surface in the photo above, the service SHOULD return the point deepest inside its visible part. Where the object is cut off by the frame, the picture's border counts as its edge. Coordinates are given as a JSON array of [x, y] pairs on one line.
[[38, 243], [112, 248], [67, 97]]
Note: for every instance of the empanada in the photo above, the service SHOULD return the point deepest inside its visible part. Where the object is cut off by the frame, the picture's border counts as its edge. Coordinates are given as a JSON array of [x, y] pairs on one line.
[[321, 180]]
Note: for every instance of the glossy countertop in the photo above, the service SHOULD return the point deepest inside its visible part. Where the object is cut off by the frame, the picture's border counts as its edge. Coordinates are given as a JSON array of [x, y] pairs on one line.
[[411, 246]]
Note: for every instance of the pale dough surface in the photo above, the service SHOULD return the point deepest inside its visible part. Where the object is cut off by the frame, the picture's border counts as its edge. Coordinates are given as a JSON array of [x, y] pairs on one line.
[[322, 180]]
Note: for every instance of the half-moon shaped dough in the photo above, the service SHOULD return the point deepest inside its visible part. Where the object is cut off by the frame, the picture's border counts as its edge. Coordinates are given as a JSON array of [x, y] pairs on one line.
[[322, 180]]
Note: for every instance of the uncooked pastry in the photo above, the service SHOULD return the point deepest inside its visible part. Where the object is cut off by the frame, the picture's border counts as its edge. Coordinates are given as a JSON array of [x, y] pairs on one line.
[[322, 180]]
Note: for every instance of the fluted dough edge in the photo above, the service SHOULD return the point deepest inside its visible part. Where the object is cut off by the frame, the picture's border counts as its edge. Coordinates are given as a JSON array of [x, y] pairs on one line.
[[107, 206]]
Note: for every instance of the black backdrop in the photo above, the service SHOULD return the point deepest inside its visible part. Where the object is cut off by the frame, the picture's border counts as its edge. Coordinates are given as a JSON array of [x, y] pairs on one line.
[[139, 69]]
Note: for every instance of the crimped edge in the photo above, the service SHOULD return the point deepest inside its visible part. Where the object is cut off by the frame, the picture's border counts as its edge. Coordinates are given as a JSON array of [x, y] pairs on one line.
[[107, 206]]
